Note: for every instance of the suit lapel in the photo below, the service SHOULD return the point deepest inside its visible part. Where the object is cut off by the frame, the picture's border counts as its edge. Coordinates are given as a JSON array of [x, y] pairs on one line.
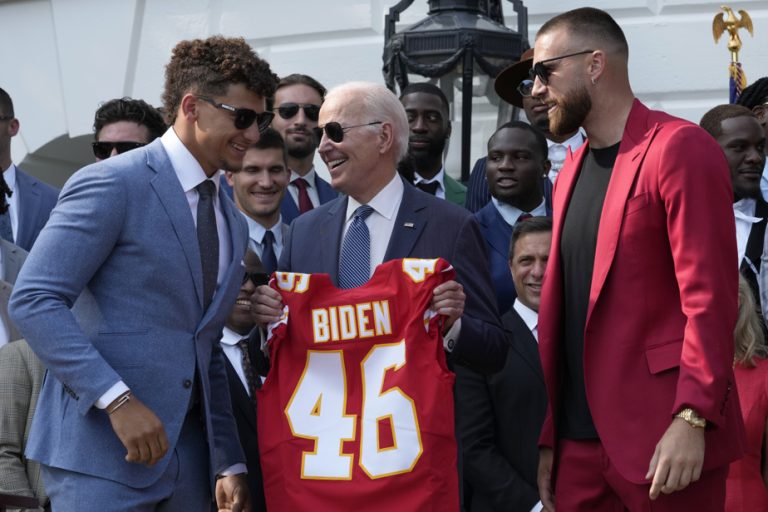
[[239, 395], [29, 205], [168, 189], [330, 232], [496, 230], [409, 223], [524, 342], [634, 144], [13, 258]]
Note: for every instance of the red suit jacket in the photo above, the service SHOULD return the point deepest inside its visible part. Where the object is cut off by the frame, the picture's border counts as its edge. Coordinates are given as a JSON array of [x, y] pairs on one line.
[[663, 301]]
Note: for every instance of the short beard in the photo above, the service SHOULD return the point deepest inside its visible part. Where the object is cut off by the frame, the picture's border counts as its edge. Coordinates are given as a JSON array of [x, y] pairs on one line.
[[571, 112], [301, 151]]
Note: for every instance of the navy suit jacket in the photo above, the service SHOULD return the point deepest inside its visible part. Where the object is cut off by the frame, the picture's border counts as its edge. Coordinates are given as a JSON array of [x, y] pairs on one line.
[[36, 200], [290, 210], [123, 234], [497, 234], [425, 227]]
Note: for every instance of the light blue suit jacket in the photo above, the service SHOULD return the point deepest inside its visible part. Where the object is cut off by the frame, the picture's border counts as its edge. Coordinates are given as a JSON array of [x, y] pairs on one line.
[[36, 200], [123, 235]]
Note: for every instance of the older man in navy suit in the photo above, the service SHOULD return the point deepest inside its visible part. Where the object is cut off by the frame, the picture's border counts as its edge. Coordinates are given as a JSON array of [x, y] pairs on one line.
[[26, 203], [364, 136], [135, 413]]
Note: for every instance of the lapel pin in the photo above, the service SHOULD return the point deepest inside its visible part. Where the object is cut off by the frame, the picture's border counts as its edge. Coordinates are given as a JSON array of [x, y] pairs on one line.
[[408, 224]]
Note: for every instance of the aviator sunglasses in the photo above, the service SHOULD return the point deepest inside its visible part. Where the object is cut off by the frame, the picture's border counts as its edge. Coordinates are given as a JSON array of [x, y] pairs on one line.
[[102, 150], [288, 110], [335, 131], [542, 71], [244, 117]]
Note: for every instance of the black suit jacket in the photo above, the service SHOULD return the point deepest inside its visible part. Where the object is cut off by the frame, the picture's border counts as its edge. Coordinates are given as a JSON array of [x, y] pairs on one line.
[[245, 416], [425, 227], [500, 418]]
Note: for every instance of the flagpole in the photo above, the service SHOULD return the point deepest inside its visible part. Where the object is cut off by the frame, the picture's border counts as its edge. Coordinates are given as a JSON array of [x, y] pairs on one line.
[[727, 21]]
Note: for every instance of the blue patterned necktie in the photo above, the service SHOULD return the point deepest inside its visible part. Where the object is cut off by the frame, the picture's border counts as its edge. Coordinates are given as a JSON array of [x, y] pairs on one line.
[[208, 240], [268, 256], [355, 258]]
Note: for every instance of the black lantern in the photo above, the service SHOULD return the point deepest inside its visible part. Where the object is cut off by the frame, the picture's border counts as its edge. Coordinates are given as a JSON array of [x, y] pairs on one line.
[[456, 37]]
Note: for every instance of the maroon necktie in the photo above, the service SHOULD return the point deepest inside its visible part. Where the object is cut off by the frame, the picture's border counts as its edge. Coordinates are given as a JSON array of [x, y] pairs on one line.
[[524, 216], [305, 204]]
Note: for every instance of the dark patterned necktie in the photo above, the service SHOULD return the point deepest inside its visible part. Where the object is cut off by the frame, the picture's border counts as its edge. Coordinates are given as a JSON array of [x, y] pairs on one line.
[[429, 187], [355, 257], [305, 203], [251, 378], [208, 240], [268, 256], [524, 216]]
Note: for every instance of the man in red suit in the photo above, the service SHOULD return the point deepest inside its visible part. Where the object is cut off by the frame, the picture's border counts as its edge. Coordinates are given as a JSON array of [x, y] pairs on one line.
[[640, 298]]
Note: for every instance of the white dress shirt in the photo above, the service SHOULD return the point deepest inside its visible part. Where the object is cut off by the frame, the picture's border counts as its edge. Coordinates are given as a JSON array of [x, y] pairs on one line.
[[744, 213], [256, 234], [510, 213], [529, 316], [559, 150], [439, 178], [380, 225], [314, 197], [229, 341], [9, 175], [4, 329], [190, 174]]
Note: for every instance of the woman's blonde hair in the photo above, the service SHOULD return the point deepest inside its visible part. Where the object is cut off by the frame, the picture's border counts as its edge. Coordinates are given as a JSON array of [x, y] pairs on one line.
[[748, 333]]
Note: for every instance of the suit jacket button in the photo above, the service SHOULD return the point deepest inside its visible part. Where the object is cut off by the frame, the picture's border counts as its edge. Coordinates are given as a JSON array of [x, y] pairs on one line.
[[187, 383]]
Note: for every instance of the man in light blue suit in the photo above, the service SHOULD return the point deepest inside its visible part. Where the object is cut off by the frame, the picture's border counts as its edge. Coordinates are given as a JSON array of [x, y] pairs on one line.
[[135, 413], [29, 201]]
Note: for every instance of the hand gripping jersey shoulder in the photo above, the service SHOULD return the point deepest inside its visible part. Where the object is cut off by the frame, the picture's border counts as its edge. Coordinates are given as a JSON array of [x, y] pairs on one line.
[[357, 410]]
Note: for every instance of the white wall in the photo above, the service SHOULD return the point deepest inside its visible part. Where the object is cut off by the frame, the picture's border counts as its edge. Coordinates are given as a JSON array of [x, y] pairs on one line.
[[61, 58]]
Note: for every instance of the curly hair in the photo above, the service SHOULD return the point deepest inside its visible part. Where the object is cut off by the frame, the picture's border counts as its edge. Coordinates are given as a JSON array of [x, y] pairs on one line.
[[748, 334], [128, 109], [210, 66]]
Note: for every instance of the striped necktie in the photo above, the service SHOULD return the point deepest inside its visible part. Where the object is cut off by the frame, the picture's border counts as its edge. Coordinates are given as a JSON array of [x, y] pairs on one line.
[[355, 257]]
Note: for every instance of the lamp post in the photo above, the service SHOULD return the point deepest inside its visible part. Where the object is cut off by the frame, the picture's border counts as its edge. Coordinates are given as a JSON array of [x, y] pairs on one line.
[[458, 40]]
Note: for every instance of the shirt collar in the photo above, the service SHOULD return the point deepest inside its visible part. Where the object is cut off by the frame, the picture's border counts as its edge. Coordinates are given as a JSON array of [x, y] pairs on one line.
[[309, 177], [385, 202], [510, 213], [439, 178], [187, 168], [230, 337], [745, 209], [9, 175], [529, 316], [256, 231], [574, 142]]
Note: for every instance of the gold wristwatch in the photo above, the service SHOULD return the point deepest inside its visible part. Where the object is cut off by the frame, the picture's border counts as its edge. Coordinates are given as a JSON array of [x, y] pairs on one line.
[[692, 417]]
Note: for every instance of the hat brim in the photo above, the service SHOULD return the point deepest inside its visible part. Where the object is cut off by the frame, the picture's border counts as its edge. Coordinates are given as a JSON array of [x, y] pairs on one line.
[[509, 78]]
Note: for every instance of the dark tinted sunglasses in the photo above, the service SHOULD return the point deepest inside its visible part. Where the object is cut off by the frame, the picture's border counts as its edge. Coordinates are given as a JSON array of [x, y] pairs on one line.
[[257, 278], [335, 131], [542, 71], [244, 117], [288, 110], [102, 150]]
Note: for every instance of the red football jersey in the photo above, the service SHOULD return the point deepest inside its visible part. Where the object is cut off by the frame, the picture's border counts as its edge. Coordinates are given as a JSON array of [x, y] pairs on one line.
[[357, 410]]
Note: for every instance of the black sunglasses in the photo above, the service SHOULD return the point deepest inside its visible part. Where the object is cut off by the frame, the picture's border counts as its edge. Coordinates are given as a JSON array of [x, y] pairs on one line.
[[539, 69], [102, 150], [257, 278], [244, 117], [335, 131], [288, 110], [8, 118]]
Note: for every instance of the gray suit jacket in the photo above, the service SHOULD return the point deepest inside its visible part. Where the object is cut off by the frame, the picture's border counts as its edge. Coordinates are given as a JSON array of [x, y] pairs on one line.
[[21, 375], [12, 259], [123, 229], [36, 200]]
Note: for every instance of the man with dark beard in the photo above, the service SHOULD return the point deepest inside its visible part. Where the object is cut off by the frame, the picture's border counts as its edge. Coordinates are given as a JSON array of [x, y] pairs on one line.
[[638, 308], [297, 103], [430, 128]]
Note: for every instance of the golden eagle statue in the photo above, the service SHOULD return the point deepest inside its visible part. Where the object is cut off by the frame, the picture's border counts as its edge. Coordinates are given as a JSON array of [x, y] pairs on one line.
[[732, 24]]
